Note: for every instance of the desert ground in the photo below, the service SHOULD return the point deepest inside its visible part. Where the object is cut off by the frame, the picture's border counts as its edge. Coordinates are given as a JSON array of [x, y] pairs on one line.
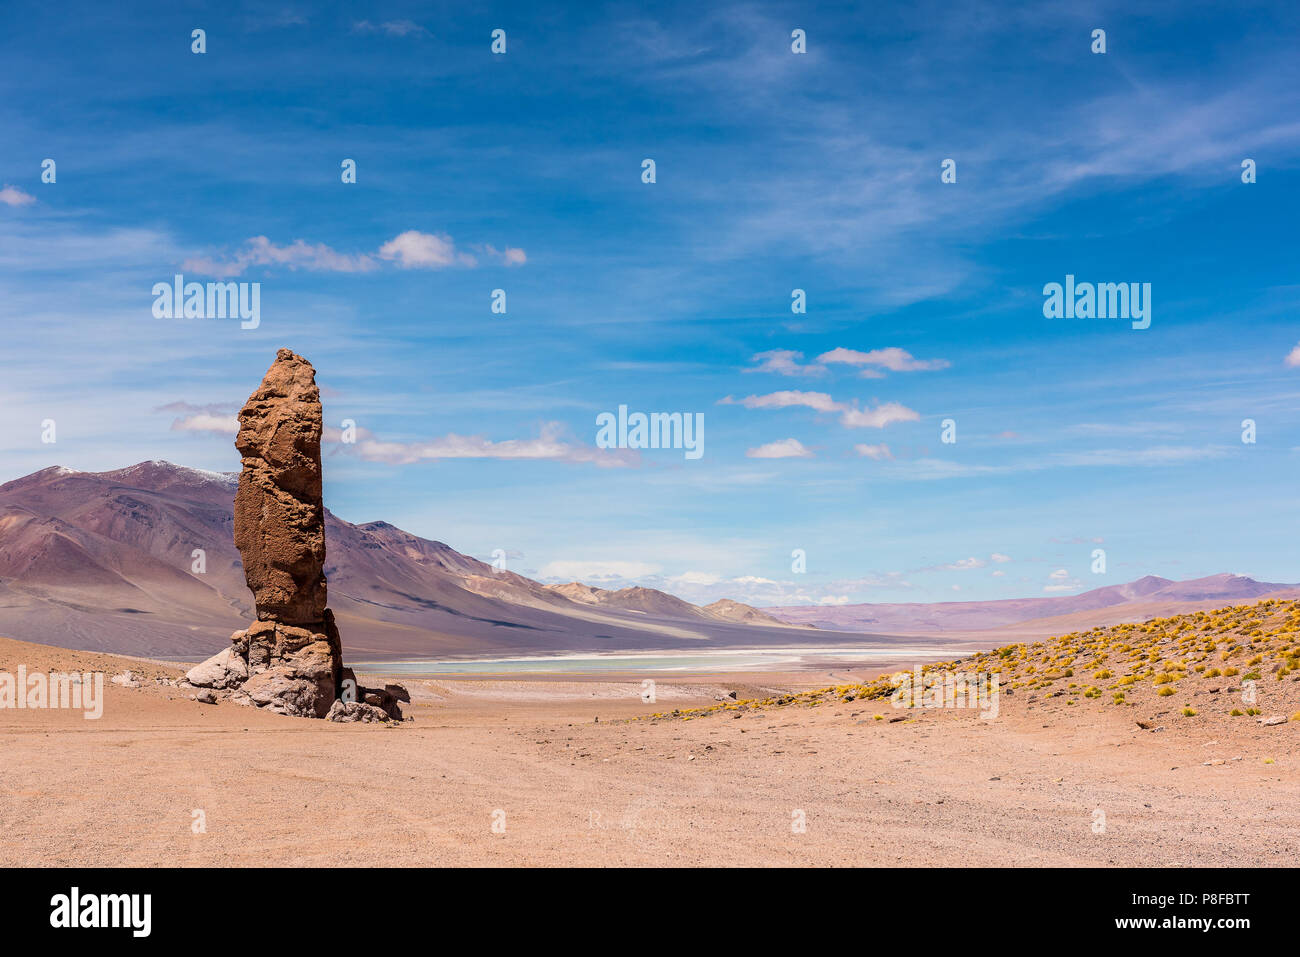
[[572, 773]]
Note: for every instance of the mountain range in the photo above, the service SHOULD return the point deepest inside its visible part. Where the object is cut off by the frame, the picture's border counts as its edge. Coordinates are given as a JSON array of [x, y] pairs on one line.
[[1139, 600], [142, 561]]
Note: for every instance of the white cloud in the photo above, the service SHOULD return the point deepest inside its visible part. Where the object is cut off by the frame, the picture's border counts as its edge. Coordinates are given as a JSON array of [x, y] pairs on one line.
[[818, 401], [13, 196], [878, 452], [784, 362], [1293, 357], [408, 250], [182, 406], [999, 574], [299, 254], [549, 445], [1059, 573], [851, 416], [999, 557], [595, 571], [891, 358], [416, 250], [879, 417], [790, 363], [927, 469], [695, 578], [207, 422], [510, 256], [780, 449]]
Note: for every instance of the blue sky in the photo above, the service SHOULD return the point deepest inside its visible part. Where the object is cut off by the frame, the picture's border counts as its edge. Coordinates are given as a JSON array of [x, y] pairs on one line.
[[774, 171]]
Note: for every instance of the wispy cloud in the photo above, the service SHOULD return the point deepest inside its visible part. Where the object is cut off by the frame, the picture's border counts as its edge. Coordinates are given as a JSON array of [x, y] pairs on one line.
[[965, 564], [925, 469], [879, 417], [207, 422], [780, 449], [616, 573], [818, 401], [299, 254], [217, 418], [550, 444], [1060, 581], [183, 406], [851, 415], [785, 362], [790, 363], [409, 250], [13, 196], [392, 28], [891, 358], [878, 452]]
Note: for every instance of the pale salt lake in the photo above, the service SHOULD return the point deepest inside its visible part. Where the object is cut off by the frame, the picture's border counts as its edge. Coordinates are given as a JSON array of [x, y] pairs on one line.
[[656, 663]]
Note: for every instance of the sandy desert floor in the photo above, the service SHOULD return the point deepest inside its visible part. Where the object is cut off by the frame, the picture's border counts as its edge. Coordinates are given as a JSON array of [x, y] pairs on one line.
[[568, 779]]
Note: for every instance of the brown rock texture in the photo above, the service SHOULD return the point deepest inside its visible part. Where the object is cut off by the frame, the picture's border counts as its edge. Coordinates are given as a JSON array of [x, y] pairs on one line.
[[291, 659], [279, 511]]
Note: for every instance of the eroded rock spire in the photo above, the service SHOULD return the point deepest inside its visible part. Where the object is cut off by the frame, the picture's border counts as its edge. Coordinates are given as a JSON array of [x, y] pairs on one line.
[[291, 659], [279, 511]]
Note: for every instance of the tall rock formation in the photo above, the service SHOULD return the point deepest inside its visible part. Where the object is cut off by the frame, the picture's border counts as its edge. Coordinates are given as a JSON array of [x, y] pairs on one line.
[[279, 512], [291, 659]]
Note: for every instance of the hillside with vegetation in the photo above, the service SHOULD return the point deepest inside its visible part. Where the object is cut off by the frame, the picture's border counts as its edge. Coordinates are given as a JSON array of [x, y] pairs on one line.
[[1183, 666]]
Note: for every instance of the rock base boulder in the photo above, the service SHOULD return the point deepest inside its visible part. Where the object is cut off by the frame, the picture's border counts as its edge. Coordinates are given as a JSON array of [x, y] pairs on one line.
[[288, 669], [294, 670]]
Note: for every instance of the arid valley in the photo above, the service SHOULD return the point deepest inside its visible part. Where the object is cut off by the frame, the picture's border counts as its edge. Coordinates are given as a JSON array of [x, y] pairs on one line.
[[545, 772]]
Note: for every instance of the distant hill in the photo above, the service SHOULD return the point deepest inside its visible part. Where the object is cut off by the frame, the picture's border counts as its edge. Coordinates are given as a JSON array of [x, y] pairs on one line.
[[648, 601], [105, 561], [1113, 604], [735, 611]]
